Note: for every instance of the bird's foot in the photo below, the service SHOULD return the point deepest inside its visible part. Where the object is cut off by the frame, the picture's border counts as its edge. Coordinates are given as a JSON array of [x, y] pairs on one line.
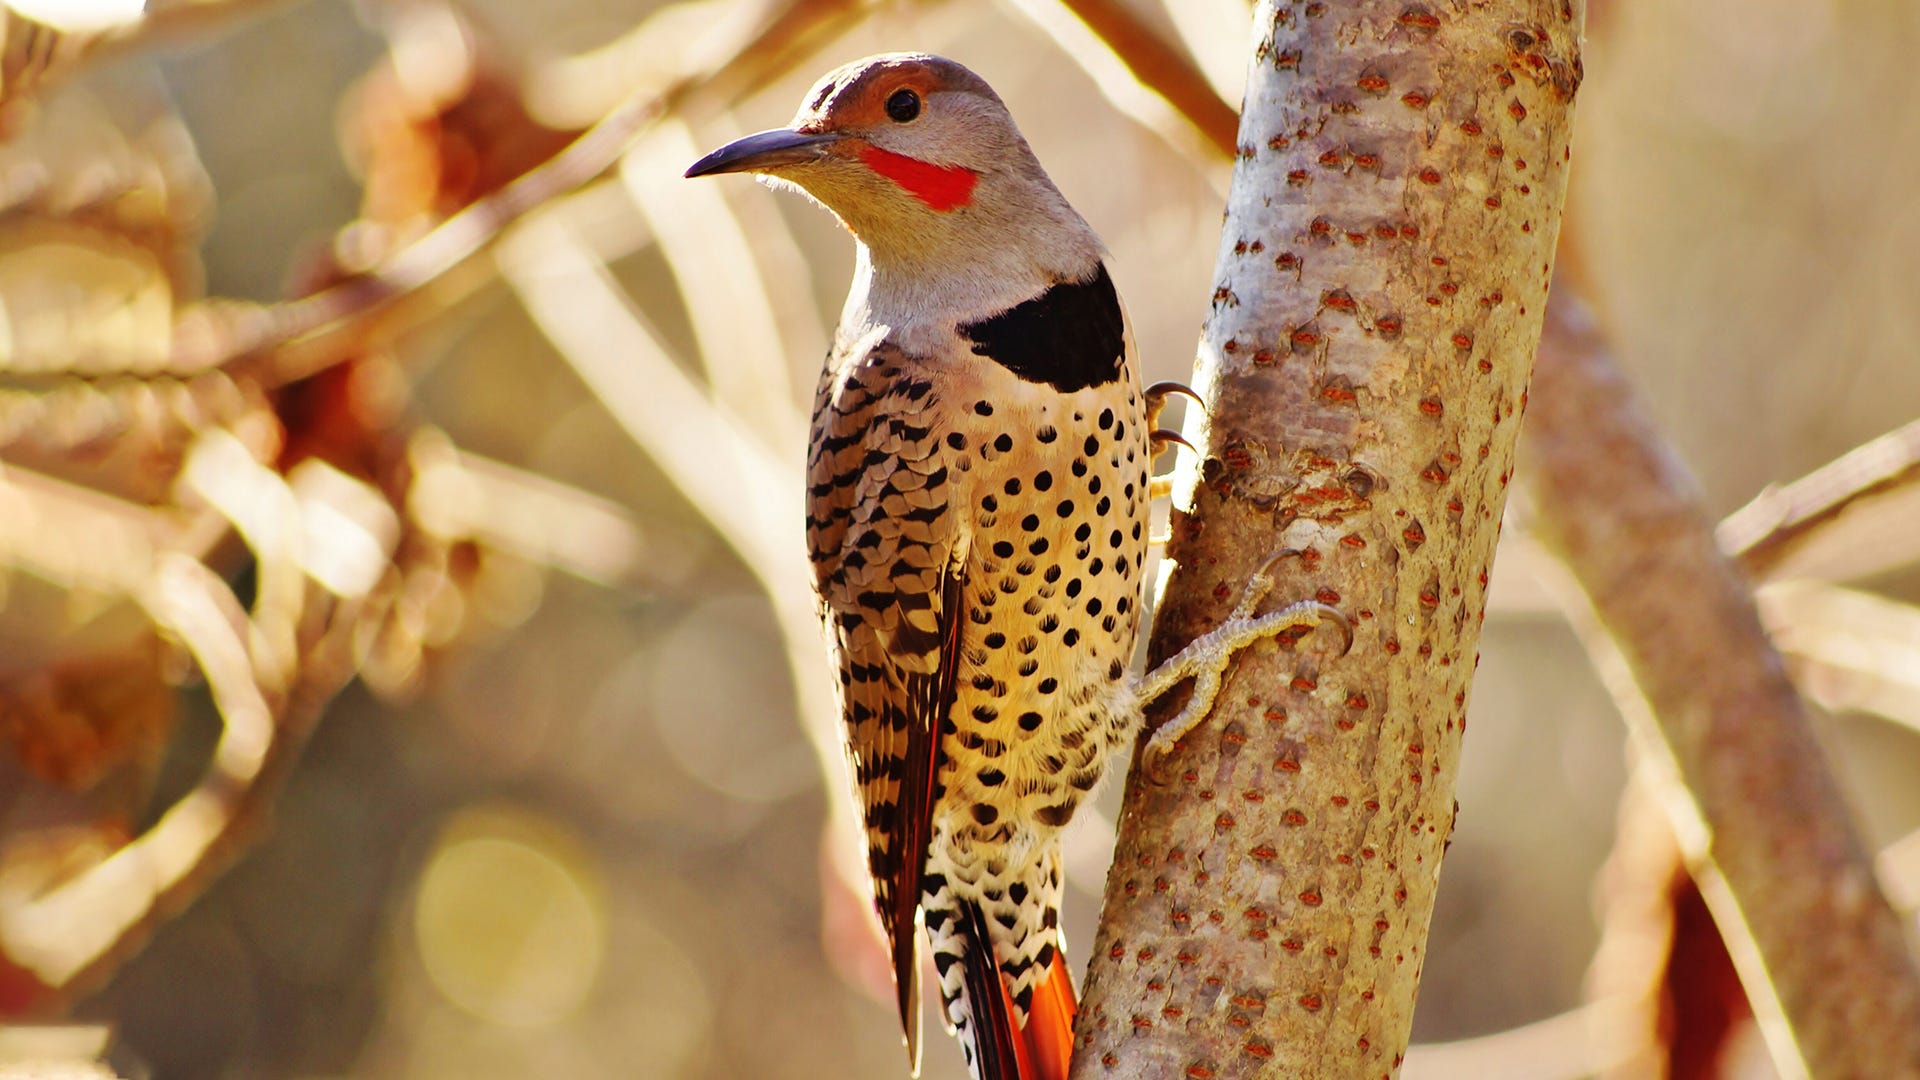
[[1160, 440], [1205, 659]]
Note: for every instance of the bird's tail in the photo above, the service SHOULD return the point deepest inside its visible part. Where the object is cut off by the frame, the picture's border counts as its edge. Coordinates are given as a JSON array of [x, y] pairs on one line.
[[983, 1008]]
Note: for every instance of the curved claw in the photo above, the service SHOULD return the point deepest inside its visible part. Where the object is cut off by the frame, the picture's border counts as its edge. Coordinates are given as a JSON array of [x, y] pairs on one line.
[[1339, 618], [1156, 398], [1266, 568], [1159, 438], [1151, 759], [1261, 583], [1159, 391]]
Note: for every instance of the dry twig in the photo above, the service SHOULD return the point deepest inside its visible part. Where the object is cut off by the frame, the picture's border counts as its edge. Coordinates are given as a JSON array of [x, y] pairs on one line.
[[1862, 506], [1849, 651], [1571, 1045], [1138, 70], [268, 671]]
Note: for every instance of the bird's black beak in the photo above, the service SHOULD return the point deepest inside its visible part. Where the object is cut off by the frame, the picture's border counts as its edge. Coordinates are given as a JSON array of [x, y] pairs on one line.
[[764, 151]]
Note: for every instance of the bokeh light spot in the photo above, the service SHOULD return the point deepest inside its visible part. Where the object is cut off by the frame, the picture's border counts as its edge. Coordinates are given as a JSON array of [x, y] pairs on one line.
[[509, 919]]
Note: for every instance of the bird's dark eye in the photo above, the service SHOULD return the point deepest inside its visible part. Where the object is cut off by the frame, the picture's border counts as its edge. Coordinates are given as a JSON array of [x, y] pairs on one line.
[[903, 106]]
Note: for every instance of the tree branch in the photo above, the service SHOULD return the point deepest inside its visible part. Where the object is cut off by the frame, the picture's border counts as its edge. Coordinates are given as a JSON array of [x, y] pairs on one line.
[[1382, 275], [1673, 629]]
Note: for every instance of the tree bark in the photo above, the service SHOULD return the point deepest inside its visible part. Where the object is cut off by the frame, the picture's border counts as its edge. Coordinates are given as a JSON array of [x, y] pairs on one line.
[[1382, 276], [1761, 822]]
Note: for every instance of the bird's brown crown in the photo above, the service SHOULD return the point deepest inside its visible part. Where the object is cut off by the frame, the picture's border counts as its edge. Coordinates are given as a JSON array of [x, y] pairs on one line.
[[854, 96]]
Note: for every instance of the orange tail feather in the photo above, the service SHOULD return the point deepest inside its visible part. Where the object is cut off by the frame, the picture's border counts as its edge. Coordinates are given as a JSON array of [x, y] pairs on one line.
[[1022, 1050], [1003, 1049], [1048, 1038]]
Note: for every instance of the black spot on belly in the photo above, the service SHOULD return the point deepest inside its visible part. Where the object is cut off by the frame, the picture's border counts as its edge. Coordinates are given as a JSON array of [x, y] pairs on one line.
[[1057, 814], [1069, 337]]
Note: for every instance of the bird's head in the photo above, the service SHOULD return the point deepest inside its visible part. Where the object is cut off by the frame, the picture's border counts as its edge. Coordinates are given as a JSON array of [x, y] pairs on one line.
[[901, 146]]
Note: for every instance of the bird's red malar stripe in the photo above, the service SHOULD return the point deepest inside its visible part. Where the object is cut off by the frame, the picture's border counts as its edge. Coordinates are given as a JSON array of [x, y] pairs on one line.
[[941, 187]]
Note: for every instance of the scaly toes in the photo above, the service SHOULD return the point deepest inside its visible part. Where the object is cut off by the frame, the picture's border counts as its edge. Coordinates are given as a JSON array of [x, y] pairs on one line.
[[1205, 661], [1160, 744]]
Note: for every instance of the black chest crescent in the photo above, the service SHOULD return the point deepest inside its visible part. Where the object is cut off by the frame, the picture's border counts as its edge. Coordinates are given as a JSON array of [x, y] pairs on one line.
[[1070, 337]]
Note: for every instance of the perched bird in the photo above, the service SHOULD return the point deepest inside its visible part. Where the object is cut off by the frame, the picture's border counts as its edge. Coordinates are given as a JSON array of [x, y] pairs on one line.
[[978, 486]]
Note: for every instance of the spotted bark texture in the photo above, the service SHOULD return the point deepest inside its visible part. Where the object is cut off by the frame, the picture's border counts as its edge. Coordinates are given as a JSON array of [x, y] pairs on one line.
[[1381, 280], [1762, 824]]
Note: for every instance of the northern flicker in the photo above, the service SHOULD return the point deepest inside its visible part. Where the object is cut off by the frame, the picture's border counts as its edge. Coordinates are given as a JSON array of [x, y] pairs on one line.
[[977, 502]]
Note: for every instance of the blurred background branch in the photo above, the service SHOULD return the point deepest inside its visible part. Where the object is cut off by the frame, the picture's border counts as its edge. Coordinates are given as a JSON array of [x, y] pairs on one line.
[[1759, 814]]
